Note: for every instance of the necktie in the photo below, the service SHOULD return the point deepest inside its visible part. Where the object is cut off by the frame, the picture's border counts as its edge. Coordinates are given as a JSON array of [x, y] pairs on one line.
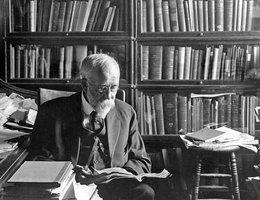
[[93, 123]]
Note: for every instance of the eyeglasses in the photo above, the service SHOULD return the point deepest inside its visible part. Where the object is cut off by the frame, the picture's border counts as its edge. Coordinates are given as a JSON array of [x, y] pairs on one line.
[[104, 88]]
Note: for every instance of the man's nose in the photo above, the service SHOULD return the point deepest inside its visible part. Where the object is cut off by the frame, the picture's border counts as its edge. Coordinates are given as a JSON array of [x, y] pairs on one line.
[[109, 94]]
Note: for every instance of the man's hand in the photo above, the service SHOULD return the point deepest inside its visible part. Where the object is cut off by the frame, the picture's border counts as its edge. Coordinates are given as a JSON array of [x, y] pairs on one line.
[[86, 177]]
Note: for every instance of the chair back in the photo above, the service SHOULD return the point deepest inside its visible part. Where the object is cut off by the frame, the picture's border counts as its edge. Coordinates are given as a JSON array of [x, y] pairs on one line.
[[45, 94]]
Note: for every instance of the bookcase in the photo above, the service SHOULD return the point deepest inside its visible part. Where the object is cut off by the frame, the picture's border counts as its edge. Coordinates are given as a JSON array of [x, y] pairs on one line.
[[197, 64], [185, 64], [46, 40]]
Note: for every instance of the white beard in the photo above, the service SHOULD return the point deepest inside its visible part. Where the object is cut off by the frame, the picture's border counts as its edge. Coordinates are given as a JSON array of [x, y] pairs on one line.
[[104, 107]]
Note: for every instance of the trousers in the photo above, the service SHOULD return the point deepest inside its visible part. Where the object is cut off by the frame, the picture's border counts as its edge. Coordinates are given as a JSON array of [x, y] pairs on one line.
[[126, 189]]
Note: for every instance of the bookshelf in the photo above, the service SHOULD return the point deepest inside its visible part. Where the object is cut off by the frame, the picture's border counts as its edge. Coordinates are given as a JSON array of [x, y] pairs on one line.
[[184, 48], [196, 67], [46, 40], [168, 50], [151, 39]]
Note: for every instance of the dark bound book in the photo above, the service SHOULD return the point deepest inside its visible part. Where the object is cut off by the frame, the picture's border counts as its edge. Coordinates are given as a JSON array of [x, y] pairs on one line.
[[102, 15], [206, 135], [182, 113], [170, 113], [46, 15], [150, 16]]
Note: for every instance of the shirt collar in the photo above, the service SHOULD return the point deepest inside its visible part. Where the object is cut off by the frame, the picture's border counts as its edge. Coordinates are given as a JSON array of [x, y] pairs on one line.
[[86, 107]]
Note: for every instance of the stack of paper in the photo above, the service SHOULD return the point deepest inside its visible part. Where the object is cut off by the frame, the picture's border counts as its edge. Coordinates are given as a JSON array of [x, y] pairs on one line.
[[223, 136]]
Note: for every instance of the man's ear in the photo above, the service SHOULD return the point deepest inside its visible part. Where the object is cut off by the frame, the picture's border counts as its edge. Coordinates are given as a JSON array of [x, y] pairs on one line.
[[84, 84]]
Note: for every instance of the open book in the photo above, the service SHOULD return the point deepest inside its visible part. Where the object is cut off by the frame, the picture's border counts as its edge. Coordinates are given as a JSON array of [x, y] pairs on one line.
[[108, 174]]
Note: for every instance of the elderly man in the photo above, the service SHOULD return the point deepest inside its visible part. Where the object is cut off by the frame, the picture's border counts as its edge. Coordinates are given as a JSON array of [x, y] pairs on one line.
[[62, 131]]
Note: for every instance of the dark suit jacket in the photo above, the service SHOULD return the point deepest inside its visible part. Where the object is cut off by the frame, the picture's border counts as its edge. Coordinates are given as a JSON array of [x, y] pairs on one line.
[[58, 127]]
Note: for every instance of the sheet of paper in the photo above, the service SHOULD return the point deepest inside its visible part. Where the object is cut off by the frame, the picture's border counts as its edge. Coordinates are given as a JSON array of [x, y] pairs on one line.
[[7, 134]]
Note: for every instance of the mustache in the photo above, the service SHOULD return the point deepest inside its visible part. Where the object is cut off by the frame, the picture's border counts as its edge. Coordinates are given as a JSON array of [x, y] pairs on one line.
[[105, 106]]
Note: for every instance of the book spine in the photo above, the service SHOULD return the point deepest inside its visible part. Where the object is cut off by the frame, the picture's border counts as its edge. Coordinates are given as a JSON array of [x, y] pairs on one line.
[[207, 63], [215, 63], [150, 16], [196, 15], [211, 9], [181, 15], [206, 14], [48, 63], [144, 16], [170, 113], [200, 15], [187, 63], [219, 15], [239, 15], [39, 15], [92, 14], [32, 16], [173, 15], [68, 14], [61, 63], [155, 62], [158, 16], [244, 15], [182, 113], [61, 16], [250, 7], [228, 15], [235, 5], [158, 102], [102, 15], [191, 13], [167, 65], [82, 16], [181, 62], [68, 62], [145, 62], [166, 16]]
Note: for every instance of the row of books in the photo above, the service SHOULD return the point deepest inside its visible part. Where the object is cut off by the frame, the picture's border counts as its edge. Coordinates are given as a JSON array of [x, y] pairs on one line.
[[36, 61], [171, 113], [213, 62], [196, 15], [66, 15]]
